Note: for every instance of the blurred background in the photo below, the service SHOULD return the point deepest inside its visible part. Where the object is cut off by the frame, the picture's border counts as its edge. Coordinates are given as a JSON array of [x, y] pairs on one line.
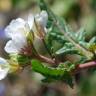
[[78, 13]]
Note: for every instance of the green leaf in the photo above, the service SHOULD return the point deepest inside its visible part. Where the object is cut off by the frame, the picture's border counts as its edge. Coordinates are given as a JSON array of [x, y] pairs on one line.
[[80, 34], [45, 70], [68, 48], [67, 65], [65, 51], [43, 6], [21, 59], [51, 73], [92, 45], [54, 40], [93, 40]]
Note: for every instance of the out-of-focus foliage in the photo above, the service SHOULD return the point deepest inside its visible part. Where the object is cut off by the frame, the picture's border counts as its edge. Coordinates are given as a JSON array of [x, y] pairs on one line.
[[21, 4]]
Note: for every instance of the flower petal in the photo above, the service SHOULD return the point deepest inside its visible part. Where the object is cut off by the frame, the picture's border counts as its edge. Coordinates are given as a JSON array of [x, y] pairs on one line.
[[16, 44], [14, 26], [10, 47], [3, 73], [19, 41], [31, 21], [2, 61], [42, 18], [4, 68]]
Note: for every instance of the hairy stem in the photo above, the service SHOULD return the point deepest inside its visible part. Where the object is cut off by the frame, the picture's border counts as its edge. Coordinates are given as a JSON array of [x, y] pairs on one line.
[[86, 65], [45, 59], [78, 68]]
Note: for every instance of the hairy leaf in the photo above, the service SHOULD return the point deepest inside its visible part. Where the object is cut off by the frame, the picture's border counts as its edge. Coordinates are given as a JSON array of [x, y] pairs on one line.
[[58, 73], [80, 34]]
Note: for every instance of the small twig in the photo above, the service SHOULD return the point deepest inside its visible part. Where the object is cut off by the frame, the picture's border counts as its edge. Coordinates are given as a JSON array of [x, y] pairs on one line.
[[45, 59], [86, 65]]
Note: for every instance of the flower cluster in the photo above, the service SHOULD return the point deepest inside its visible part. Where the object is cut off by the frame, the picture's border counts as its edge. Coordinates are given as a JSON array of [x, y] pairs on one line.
[[21, 32]]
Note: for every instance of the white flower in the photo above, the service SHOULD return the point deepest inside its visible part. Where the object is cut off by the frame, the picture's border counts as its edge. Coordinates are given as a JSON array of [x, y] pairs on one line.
[[18, 31], [4, 68]]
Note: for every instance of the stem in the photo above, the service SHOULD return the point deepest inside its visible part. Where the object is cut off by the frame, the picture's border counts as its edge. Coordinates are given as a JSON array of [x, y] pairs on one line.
[[45, 59], [78, 68], [86, 65]]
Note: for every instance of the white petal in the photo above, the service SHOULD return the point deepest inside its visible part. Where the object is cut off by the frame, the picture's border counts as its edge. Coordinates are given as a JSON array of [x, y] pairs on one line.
[[14, 46], [30, 20], [10, 47], [45, 29], [42, 18], [4, 68], [14, 26], [19, 41], [2, 61], [3, 73]]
